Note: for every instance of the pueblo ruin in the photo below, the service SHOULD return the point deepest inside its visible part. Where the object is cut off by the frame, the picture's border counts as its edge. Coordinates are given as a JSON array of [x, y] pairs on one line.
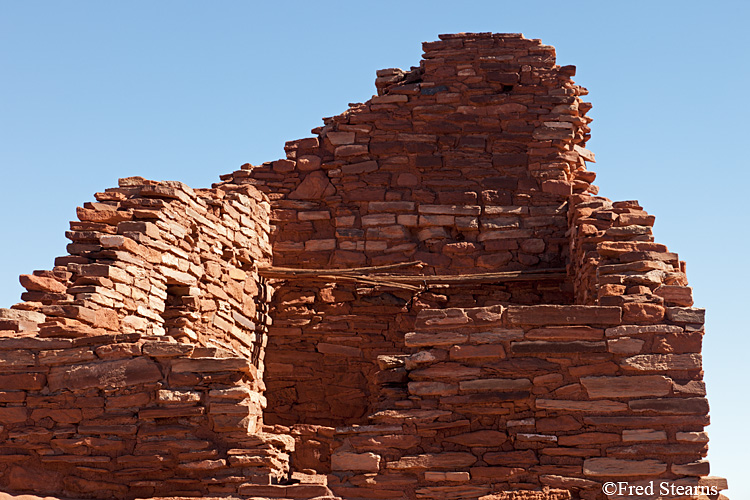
[[427, 299]]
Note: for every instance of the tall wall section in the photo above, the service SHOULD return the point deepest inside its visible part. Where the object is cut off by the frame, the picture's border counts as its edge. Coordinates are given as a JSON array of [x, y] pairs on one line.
[[464, 163]]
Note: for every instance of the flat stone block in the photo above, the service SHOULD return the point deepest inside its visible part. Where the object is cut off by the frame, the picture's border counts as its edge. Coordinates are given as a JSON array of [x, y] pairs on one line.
[[421, 339], [678, 406], [627, 386], [612, 467], [495, 385], [360, 462], [542, 347], [563, 315], [602, 406], [484, 439], [210, 365], [104, 375], [662, 362], [447, 460], [472, 352]]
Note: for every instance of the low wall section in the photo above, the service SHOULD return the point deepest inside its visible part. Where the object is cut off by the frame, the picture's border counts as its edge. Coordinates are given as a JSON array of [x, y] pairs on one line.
[[527, 397]]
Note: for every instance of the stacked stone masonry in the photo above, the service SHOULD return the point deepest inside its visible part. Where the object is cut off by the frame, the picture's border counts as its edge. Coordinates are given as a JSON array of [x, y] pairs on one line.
[[163, 356]]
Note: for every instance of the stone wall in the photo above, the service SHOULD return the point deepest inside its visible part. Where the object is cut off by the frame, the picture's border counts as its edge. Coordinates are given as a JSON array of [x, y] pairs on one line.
[[161, 258], [135, 365], [116, 416], [616, 262], [464, 163], [523, 397], [546, 344]]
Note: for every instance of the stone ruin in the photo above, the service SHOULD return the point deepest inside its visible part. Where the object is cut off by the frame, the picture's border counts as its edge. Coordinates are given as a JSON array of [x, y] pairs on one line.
[[425, 300]]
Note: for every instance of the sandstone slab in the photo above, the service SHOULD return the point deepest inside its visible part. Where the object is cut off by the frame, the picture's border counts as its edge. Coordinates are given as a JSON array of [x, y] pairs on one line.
[[627, 386], [106, 374], [612, 467]]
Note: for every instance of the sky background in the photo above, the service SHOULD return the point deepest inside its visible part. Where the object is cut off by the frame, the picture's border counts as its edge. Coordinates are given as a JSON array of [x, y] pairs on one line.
[[187, 90]]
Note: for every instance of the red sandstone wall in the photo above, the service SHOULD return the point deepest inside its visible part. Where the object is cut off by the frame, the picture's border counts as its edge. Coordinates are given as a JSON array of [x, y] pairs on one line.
[[615, 261], [120, 416], [525, 397], [97, 399], [472, 162], [158, 257], [465, 163]]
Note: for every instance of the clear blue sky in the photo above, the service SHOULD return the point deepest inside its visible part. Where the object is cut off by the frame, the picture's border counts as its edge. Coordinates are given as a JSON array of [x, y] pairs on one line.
[[92, 91]]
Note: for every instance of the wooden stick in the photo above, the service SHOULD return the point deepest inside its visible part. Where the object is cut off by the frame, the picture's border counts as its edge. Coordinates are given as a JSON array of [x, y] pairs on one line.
[[361, 275], [481, 277], [271, 271]]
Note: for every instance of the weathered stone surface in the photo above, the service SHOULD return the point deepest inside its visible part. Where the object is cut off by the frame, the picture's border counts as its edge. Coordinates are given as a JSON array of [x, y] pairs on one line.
[[166, 349], [436, 318], [477, 352], [41, 284], [384, 441], [588, 438], [434, 339], [457, 477], [557, 347], [484, 439], [643, 435], [495, 384], [563, 315], [13, 414], [567, 482], [453, 492], [698, 468], [581, 333], [625, 345], [23, 381], [366, 462], [21, 315], [692, 437], [448, 460], [314, 186], [63, 356], [684, 315], [17, 358], [209, 365], [495, 336], [662, 362], [628, 330], [339, 350], [104, 375], [520, 458], [642, 313], [432, 388], [627, 386], [612, 467], [446, 371], [601, 406], [496, 473], [671, 405]]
